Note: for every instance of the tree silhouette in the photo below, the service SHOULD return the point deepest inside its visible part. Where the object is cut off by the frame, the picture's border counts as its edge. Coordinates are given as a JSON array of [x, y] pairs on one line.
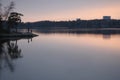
[[0, 23], [4, 14], [13, 20]]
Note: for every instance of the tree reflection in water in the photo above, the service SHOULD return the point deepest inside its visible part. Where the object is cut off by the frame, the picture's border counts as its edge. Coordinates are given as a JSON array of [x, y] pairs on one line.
[[9, 50], [13, 50]]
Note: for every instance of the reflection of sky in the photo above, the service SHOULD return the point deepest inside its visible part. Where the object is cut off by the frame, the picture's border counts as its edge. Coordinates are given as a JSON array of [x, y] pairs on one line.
[[35, 10], [67, 57]]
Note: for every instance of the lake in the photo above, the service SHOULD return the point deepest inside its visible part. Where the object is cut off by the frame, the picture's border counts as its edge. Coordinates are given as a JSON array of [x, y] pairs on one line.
[[61, 56]]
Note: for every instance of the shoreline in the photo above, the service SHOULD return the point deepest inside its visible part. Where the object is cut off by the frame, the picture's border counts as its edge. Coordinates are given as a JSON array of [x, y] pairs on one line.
[[20, 35]]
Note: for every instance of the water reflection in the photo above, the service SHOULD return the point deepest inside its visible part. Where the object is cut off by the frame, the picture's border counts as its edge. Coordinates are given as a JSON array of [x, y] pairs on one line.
[[105, 32], [64, 56], [9, 51], [106, 36]]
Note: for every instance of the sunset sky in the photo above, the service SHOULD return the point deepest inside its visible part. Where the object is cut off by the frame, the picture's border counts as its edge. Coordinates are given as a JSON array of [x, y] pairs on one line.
[[37, 10]]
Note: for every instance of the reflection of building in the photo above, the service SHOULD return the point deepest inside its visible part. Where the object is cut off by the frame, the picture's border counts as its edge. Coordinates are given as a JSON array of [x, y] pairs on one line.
[[106, 36], [106, 17]]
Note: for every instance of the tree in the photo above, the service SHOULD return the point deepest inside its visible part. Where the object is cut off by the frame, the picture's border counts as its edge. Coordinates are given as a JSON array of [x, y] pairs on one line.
[[0, 16], [6, 10], [4, 13], [7, 15], [13, 20]]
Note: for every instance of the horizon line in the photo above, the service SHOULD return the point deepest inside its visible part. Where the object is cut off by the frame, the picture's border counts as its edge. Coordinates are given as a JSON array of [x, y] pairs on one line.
[[69, 20]]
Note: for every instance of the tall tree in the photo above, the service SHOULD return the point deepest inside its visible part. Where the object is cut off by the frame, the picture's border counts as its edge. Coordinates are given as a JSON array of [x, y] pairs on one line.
[[5, 12]]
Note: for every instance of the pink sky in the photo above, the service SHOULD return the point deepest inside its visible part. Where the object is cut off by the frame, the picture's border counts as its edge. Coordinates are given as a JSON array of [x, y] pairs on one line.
[[37, 10]]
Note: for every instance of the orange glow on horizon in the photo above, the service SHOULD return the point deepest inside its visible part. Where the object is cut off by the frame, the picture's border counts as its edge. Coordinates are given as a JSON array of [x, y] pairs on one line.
[[92, 13]]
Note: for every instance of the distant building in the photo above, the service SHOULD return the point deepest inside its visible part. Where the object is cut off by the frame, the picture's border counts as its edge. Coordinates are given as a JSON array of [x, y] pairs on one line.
[[78, 19], [106, 17]]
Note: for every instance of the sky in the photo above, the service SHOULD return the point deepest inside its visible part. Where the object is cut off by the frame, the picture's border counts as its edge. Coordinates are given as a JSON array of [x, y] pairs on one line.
[[56, 10]]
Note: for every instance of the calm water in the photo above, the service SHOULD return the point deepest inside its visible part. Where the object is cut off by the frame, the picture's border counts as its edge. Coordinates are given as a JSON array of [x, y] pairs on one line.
[[62, 56]]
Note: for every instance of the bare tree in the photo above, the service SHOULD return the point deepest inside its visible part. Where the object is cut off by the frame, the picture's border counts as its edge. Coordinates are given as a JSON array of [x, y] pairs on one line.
[[5, 11], [1, 16], [8, 10], [0, 8]]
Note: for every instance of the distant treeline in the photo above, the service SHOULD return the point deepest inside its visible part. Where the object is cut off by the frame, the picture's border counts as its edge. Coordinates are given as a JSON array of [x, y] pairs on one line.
[[73, 24]]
